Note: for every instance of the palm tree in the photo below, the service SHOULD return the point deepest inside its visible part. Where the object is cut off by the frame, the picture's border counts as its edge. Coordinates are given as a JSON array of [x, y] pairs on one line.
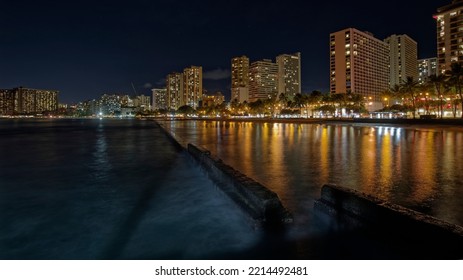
[[438, 82], [341, 100], [298, 101], [357, 102], [410, 88], [455, 78], [312, 100]]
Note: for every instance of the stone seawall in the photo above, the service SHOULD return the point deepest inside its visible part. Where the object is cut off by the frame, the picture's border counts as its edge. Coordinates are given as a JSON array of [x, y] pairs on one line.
[[350, 210], [263, 205]]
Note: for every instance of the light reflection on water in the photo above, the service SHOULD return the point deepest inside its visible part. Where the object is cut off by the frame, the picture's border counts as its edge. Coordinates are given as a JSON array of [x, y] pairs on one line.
[[411, 166]]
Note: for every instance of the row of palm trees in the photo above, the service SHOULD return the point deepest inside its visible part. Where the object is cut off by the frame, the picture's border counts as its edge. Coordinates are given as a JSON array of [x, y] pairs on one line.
[[436, 92], [303, 105]]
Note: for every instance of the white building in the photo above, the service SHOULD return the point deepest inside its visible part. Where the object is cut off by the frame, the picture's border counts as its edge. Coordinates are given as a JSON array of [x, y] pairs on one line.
[[426, 68], [359, 63], [403, 58]]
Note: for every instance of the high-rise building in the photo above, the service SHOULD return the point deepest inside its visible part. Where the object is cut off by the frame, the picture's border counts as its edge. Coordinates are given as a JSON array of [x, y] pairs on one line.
[[359, 63], [7, 102], [263, 80], [192, 85], [240, 78], [426, 68], [27, 101], [174, 87], [289, 74], [142, 103], [88, 108], [159, 99], [110, 104], [403, 59], [449, 34]]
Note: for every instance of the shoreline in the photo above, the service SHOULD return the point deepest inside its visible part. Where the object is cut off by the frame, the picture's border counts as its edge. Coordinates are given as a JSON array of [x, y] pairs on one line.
[[424, 122]]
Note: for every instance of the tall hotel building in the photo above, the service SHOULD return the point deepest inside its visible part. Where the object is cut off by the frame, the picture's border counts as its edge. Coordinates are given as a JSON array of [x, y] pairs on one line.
[[27, 101], [403, 58], [192, 86], [449, 35], [289, 74], [426, 68], [359, 63], [240, 79], [174, 91], [263, 80]]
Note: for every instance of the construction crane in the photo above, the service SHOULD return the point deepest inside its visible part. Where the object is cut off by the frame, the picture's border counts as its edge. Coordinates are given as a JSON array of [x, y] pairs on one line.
[[134, 89]]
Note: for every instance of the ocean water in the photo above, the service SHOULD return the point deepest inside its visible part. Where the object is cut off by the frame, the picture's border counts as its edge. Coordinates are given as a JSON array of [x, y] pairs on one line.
[[120, 189], [414, 166], [109, 189]]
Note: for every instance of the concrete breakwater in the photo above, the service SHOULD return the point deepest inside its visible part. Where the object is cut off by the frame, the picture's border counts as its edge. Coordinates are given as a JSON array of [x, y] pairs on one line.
[[408, 231], [262, 204]]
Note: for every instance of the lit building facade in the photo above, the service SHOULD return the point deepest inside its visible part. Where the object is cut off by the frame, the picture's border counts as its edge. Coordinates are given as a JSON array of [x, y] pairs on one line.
[[214, 99], [88, 108], [110, 104], [142, 103], [7, 102], [27, 101], [289, 74], [263, 80], [359, 63], [426, 68], [159, 99], [240, 79], [174, 91], [449, 35], [403, 59], [192, 86]]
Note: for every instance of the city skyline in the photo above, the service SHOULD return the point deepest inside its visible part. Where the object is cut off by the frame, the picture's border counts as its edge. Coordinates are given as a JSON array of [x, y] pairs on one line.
[[89, 49]]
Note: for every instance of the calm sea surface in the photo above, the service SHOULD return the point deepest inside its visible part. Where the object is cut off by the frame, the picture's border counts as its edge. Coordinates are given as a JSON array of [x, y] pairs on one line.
[[119, 189], [108, 189], [414, 166]]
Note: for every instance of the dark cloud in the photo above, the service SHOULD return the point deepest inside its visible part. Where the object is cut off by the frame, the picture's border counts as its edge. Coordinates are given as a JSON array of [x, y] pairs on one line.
[[217, 74]]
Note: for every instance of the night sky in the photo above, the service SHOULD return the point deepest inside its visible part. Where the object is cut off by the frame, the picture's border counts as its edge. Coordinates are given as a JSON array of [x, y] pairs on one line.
[[87, 48]]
